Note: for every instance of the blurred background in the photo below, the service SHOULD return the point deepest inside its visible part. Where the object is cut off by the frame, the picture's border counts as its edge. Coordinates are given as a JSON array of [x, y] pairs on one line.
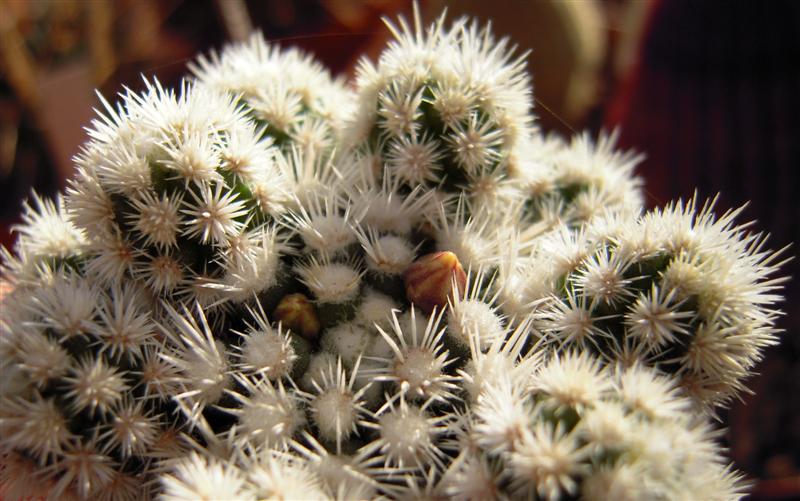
[[710, 91]]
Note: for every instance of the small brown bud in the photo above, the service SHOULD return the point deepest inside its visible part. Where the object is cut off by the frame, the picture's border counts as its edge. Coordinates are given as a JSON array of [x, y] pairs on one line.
[[429, 280], [298, 314]]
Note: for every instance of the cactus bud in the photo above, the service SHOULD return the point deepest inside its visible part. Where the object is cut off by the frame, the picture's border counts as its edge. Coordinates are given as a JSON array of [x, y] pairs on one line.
[[297, 314], [430, 279]]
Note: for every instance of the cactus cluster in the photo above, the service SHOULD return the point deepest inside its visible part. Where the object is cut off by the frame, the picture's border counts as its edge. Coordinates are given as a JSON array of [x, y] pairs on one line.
[[265, 285]]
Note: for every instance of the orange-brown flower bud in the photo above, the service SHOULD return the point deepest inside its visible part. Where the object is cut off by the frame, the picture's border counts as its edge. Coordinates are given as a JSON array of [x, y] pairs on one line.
[[429, 280], [298, 314]]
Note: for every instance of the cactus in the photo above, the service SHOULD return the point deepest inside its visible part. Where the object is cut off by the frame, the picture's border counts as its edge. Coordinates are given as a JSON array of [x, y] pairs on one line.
[[574, 428], [179, 192], [86, 397], [572, 184], [675, 288], [445, 108], [286, 91], [250, 293]]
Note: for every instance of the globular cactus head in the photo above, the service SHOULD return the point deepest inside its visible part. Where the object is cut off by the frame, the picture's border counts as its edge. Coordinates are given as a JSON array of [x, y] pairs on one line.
[[86, 400], [576, 428], [178, 191], [444, 108], [570, 183], [284, 90], [675, 288]]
